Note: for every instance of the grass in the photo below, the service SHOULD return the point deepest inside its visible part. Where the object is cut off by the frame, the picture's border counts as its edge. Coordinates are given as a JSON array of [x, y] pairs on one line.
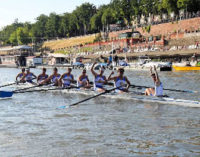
[[70, 42]]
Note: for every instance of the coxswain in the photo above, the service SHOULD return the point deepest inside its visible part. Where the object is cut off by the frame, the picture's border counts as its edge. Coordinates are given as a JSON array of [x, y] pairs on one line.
[[20, 76], [99, 79], [41, 79], [66, 79], [83, 81], [121, 82], [158, 86], [29, 76], [54, 78]]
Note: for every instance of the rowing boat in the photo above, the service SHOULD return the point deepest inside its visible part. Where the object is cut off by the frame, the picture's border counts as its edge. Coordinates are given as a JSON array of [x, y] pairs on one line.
[[133, 96], [186, 68]]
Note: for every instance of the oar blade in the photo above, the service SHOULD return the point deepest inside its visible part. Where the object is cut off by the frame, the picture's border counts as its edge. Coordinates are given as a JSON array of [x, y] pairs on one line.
[[5, 94], [63, 107], [190, 91]]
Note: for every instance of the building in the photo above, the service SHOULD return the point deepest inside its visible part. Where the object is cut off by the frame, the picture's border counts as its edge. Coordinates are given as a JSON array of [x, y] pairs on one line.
[[57, 59], [15, 55], [32, 61]]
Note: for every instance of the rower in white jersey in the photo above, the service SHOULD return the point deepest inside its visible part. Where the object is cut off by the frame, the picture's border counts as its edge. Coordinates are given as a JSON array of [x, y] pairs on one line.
[[54, 78], [99, 79], [42, 77], [158, 86], [66, 79], [29, 76], [83, 81], [121, 81], [20, 76]]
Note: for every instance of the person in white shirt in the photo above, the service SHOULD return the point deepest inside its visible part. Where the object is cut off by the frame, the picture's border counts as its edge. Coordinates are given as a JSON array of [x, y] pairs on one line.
[[158, 86]]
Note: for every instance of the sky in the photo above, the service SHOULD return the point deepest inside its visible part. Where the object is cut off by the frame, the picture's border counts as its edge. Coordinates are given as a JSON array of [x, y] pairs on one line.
[[29, 10]]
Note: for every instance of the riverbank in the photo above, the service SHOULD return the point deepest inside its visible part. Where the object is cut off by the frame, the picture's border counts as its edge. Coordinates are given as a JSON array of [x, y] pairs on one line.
[[154, 55]]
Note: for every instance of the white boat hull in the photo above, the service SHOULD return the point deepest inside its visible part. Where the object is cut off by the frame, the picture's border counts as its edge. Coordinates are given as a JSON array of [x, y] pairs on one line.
[[125, 96]]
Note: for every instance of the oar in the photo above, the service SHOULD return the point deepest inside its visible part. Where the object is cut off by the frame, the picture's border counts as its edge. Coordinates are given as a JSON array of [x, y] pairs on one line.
[[92, 97], [45, 90], [174, 90], [5, 94], [9, 84], [16, 82]]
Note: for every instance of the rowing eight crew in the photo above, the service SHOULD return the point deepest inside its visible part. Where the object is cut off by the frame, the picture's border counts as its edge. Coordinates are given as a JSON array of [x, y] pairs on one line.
[[67, 79]]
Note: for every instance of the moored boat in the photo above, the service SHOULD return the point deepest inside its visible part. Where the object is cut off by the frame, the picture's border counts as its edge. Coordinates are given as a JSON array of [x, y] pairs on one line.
[[186, 68]]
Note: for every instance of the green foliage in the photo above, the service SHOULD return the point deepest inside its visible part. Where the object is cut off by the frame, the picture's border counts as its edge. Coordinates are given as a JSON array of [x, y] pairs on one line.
[[109, 16], [20, 36], [148, 28], [182, 4]]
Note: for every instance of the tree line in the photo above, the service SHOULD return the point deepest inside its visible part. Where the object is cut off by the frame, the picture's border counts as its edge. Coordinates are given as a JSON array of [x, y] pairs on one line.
[[87, 18]]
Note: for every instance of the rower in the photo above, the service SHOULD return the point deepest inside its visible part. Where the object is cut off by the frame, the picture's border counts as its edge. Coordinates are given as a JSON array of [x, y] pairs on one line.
[[100, 80], [42, 77], [29, 76], [121, 82], [54, 78], [66, 79], [20, 76], [158, 89], [83, 81]]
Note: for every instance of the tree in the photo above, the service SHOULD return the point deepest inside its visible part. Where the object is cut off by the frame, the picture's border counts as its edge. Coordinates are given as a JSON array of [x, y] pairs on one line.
[[73, 25], [109, 16], [13, 38], [170, 5], [8, 30], [182, 4], [84, 13], [20, 36], [52, 26], [38, 29], [64, 25], [95, 21]]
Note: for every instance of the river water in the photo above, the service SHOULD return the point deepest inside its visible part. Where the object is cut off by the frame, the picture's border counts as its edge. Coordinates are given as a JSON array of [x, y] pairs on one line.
[[32, 126]]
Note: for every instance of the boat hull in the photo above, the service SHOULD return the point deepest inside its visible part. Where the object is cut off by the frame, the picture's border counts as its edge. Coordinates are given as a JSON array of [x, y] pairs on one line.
[[133, 96]]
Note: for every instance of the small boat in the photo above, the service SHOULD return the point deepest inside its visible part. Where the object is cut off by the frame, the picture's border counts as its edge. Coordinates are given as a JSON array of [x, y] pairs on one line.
[[186, 68]]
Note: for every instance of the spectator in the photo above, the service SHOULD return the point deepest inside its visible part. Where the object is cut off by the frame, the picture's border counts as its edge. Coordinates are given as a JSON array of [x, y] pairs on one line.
[[104, 59], [110, 60], [116, 60], [197, 45]]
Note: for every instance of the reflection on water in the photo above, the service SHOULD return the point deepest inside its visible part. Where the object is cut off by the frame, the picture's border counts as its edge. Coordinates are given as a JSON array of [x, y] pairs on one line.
[[30, 124]]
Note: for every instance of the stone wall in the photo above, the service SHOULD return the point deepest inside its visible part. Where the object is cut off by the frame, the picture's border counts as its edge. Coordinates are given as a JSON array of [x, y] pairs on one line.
[[166, 28]]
